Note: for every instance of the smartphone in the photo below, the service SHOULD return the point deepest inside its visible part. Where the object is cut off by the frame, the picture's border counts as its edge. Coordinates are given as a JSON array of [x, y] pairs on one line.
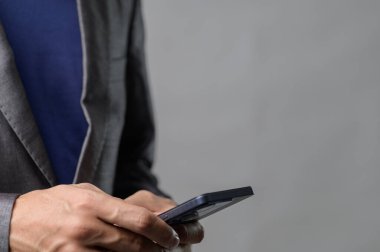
[[205, 205]]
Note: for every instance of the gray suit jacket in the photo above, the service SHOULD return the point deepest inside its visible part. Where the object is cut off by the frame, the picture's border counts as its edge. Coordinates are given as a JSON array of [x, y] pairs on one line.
[[118, 150]]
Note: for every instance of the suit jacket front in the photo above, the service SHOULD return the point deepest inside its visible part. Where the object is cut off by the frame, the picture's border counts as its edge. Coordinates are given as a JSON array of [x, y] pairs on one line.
[[118, 150]]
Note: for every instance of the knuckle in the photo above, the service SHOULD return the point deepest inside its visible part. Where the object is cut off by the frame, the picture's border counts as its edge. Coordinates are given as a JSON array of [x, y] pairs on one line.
[[59, 187], [115, 214], [85, 185], [88, 186], [145, 220], [80, 229], [145, 193], [86, 200]]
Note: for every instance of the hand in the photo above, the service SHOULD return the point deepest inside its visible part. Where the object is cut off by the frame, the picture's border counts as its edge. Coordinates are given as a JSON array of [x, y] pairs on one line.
[[84, 218], [189, 234]]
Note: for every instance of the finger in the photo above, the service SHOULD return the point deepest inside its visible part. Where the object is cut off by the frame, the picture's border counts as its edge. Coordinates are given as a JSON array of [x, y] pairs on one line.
[[151, 201], [136, 219], [190, 233], [116, 239]]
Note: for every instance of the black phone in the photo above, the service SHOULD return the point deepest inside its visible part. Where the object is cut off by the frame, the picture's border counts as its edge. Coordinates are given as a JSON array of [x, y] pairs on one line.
[[205, 205]]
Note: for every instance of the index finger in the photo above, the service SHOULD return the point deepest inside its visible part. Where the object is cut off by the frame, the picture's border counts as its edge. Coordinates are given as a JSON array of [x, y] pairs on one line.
[[136, 219]]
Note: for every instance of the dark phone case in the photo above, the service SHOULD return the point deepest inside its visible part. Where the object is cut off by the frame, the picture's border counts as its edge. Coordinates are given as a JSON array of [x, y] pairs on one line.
[[205, 205]]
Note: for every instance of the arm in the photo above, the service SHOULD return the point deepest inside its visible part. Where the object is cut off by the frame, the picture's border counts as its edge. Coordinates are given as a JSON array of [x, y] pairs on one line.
[[137, 142]]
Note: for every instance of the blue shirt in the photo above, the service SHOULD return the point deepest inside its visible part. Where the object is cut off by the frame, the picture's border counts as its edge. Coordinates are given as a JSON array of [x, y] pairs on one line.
[[46, 41]]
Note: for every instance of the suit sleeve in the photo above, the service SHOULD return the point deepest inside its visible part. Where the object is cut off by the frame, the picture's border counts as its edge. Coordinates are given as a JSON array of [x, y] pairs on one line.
[[136, 150], [6, 206]]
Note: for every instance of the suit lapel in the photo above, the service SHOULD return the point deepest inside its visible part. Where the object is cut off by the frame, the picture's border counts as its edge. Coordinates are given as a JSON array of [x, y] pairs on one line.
[[15, 108], [95, 31]]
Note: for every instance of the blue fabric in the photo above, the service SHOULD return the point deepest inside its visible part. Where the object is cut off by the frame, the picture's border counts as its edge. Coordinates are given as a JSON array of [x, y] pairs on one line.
[[45, 38]]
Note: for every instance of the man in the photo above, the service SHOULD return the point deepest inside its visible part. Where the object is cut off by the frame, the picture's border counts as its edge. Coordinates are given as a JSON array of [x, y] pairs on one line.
[[75, 128]]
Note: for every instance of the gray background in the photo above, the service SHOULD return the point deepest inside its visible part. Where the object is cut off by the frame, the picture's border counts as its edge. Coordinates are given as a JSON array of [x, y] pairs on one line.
[[280, 95]]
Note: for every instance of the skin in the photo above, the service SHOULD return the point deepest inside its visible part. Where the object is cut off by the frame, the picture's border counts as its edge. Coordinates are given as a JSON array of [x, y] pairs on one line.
[[189, 234], [84, 218]]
